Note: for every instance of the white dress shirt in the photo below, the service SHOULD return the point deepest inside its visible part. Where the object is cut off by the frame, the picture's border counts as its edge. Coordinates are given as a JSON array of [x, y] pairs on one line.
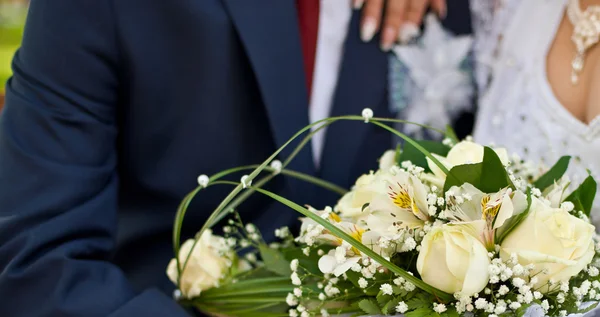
[[334, 19]]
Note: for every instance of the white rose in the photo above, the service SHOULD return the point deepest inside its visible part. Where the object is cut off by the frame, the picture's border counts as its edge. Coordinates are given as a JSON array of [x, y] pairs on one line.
[[453, 260], [366, 188], [205, 267], [557, 243], [387, 160], [464, 152]]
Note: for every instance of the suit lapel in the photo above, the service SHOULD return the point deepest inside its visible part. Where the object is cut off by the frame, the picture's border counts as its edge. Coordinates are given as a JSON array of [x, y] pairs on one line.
[[362, 84], [269, 32]]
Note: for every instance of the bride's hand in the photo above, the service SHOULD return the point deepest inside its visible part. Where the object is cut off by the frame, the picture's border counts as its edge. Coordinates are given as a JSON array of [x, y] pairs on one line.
[[401, 20]]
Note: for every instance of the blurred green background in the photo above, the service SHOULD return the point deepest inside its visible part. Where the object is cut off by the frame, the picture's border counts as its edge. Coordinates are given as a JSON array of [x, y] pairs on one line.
[[12, 18]]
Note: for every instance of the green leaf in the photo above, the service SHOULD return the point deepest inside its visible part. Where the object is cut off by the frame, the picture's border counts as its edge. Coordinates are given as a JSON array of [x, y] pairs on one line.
[[583, 196], [390, 307], [369, 306], [513, 221], [275, 261], [489, 176], [420, 312], [382, 299], [554, 174], [450, 134], [412, 154], [419, 300], [451, 312]]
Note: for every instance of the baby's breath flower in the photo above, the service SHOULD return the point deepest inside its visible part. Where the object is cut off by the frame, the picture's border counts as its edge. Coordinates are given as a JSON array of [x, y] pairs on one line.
[[545, 305], [503, 290], [402, 307], [362, 283], [387, 289], [506, 274], [514, 305], [306, 251], [398, 281], [409, 287], [481, 303], [291, 300], [440, 201], [320, 252], [296, 279], [528, 297], [251, 257], [518, 270], [593, 271], [518, 282], [560, 298], [297, 292], [356, 267], [564, 286], [562, 313], [293, 313], [282, 232], [305, 314], [439, 308], [500, 307], [301, 308], [331, 290], [487, 291]]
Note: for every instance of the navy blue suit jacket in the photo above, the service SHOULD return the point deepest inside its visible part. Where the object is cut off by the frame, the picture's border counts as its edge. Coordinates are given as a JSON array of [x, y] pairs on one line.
[[116, 107]]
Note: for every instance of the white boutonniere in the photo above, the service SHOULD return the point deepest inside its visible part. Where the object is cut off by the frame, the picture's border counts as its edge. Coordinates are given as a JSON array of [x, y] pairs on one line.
[[441, 87]]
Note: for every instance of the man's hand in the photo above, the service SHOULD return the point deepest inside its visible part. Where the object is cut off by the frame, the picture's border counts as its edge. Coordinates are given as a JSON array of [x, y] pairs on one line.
[[401, 20]]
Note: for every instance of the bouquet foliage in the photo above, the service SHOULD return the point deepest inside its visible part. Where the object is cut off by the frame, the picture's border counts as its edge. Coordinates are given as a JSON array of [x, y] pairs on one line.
[[440, 229]]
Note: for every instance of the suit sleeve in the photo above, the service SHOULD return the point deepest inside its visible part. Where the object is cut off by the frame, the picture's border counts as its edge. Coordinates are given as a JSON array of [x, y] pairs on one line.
[[58, 181]]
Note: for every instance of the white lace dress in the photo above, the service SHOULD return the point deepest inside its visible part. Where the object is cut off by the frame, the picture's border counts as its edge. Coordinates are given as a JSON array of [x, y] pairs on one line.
[[517, 107]]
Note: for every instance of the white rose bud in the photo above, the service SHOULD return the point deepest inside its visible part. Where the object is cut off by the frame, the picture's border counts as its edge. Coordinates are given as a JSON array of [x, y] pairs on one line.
[[204, 269], [387, 160], [465, 152], [365, 189], [557, 243], [453, 260]]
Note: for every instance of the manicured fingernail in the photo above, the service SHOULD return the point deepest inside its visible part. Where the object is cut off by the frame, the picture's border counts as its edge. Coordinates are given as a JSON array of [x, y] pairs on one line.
[[443, 11], [358, 4], [368, 29], [387, 39], [408, 31]]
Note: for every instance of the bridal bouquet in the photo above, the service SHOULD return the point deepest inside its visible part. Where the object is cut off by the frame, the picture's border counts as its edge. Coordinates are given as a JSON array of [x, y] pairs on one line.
[[440, 229]]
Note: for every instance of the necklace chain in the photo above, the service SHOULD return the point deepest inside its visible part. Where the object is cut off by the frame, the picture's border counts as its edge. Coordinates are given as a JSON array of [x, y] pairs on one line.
[[586, 33]]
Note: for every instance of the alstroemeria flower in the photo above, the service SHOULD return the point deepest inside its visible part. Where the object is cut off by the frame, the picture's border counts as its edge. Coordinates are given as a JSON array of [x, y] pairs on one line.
[[403, 206], [342, 258], [485, 212]]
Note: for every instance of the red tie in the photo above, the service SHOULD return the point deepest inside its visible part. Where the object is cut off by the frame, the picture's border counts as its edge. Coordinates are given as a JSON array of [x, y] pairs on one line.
[[308, 17]]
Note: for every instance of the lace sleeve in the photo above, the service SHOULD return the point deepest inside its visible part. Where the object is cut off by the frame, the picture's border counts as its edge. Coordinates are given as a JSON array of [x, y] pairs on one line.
[[490, 18]]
